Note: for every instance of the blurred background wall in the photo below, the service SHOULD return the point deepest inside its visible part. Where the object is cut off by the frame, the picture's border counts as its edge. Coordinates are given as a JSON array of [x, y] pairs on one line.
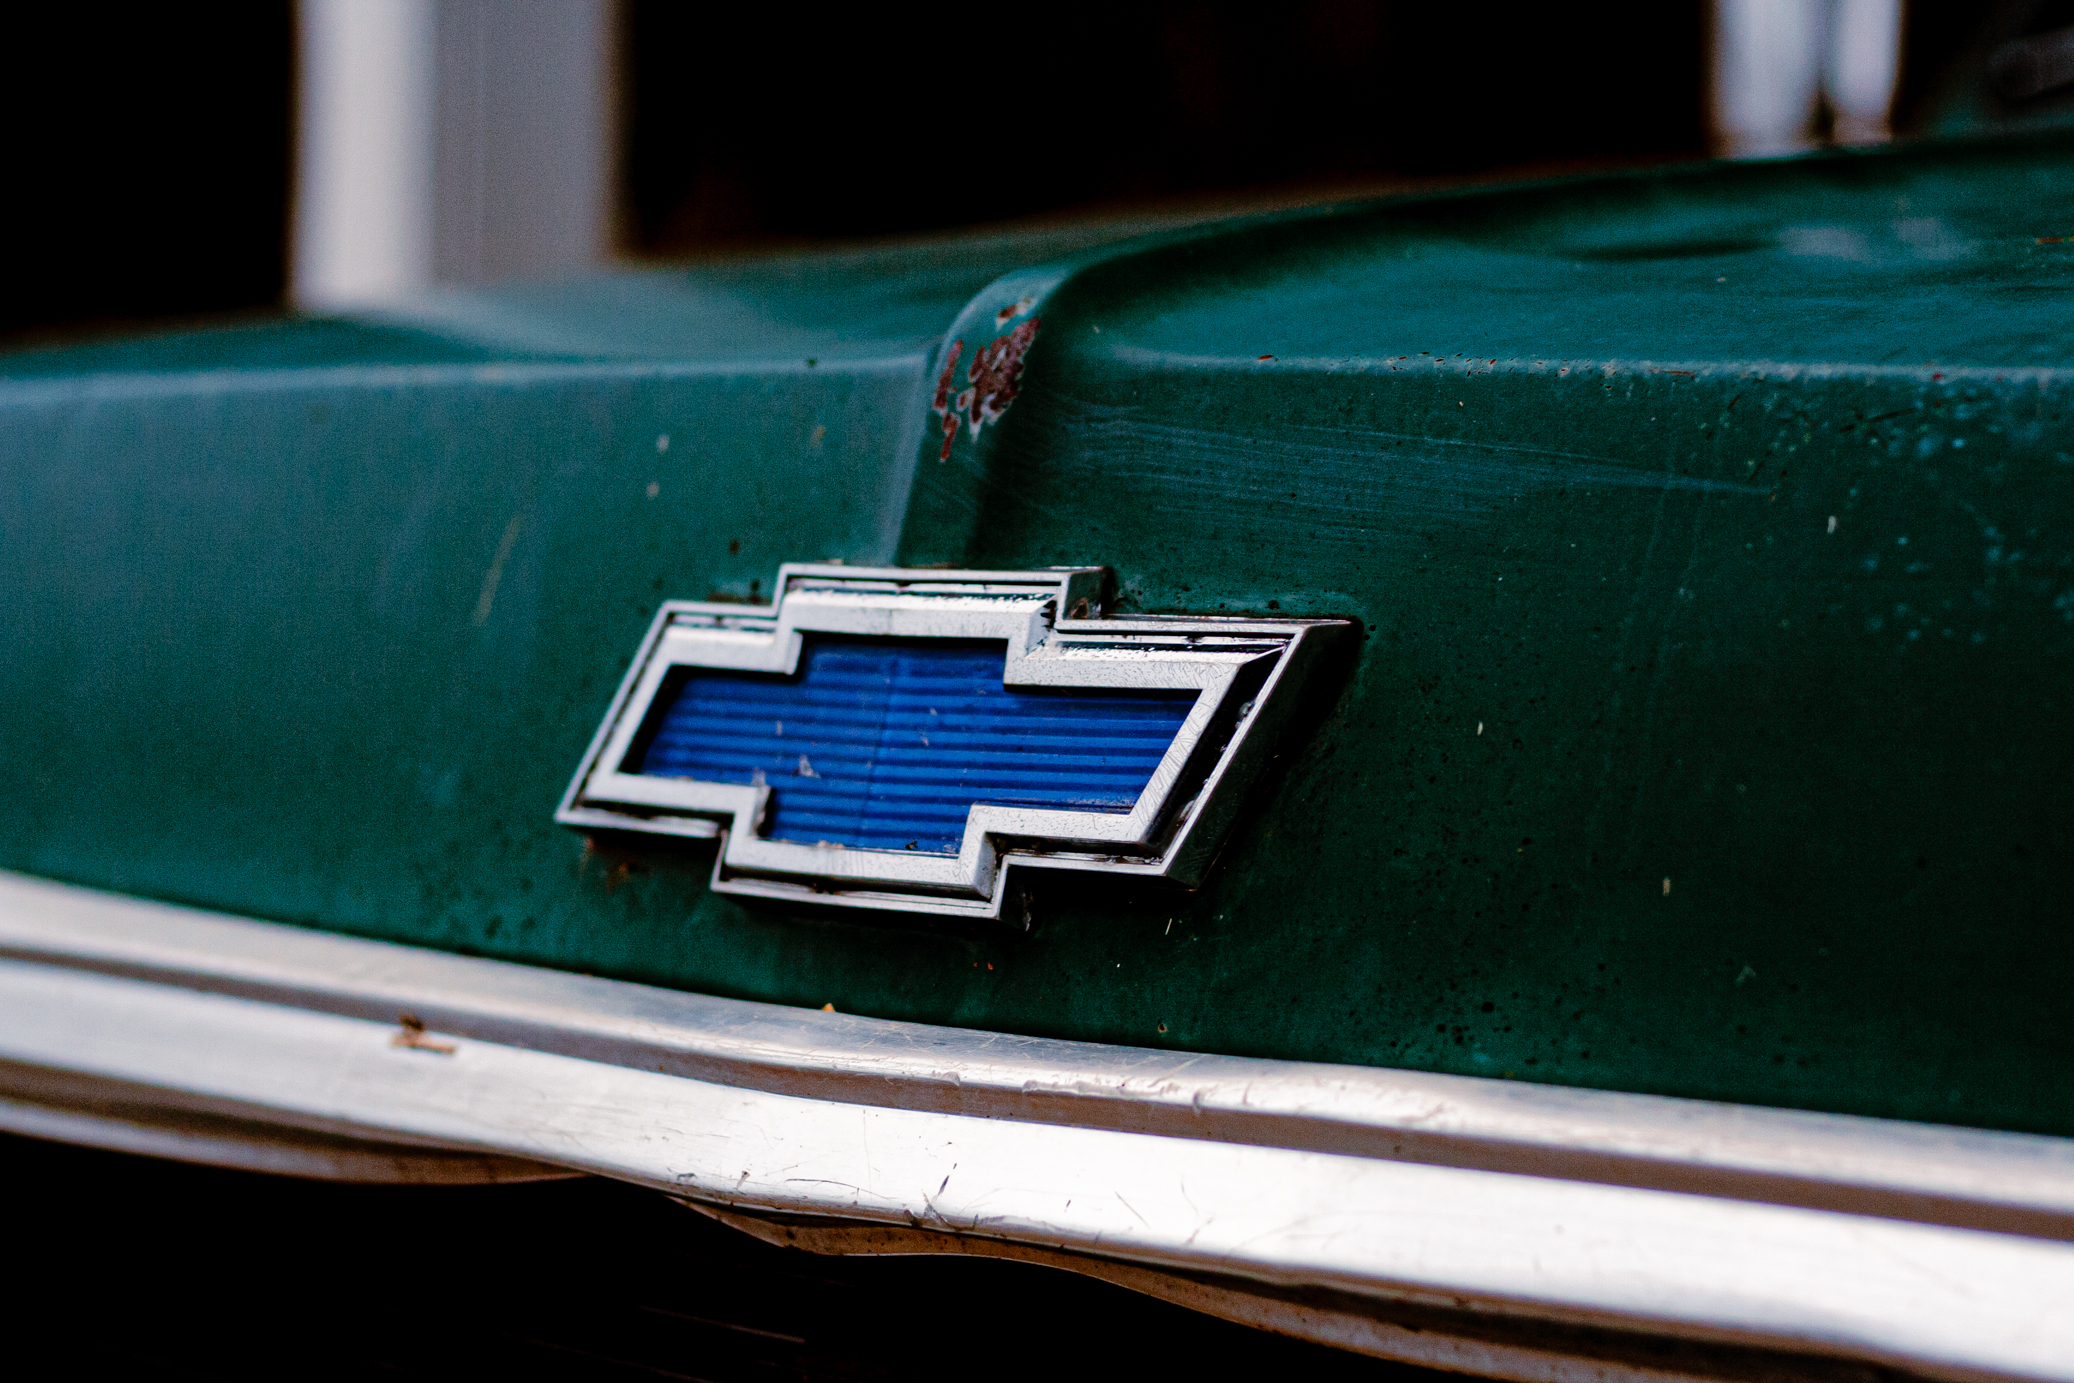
[[172, 163]]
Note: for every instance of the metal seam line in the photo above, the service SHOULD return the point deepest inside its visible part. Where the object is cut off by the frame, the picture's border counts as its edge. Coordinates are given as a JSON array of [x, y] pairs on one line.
[[185, 1136]]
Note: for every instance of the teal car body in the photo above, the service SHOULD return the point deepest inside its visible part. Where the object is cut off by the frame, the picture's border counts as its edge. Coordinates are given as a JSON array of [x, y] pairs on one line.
[[1707, 537]]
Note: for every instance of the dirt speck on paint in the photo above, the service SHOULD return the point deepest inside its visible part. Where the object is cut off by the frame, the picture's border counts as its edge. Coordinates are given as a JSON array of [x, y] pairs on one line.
[[411, 1034]]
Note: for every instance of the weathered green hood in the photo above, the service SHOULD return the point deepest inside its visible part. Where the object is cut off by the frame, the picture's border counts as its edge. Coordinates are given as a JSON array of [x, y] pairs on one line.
[[1711, 534]]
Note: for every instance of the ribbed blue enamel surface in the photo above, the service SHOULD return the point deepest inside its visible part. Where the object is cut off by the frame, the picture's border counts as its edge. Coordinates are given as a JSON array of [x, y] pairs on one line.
[[886, 744]]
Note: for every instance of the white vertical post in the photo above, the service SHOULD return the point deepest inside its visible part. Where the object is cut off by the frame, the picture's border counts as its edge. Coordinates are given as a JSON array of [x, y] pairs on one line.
[[1772, 58], [363, 196], [1767, 69], [449, 141], [1863, 68]]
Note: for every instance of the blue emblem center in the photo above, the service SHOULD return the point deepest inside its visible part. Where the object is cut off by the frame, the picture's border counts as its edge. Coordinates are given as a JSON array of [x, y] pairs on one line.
[[887, 744]]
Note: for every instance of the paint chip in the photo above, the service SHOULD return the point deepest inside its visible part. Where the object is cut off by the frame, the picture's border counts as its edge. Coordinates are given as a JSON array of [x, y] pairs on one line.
[[995, 375]]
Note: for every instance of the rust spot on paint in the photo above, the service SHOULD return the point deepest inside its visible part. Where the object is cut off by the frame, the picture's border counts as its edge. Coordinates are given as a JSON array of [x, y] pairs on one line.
[[994, 378], [617, 865], [996, 375], [941, 404]]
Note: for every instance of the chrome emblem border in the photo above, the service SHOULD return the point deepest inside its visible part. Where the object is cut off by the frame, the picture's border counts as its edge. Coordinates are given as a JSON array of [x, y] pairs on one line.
[[1246, 672]]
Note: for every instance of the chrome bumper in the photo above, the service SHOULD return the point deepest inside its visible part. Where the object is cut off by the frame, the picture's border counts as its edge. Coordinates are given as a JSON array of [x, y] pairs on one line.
[[1513, 1230]]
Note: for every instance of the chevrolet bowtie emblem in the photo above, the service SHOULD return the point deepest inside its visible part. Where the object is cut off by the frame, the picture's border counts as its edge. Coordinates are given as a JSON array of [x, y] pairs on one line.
[[895, 738]]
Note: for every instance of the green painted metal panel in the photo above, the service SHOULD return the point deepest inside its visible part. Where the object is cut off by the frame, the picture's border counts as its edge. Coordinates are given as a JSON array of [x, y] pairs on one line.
[[1712, 534]]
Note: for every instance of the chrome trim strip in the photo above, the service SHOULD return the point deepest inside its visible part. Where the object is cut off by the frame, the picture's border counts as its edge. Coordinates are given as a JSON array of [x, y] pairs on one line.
[[1969, 1178], [1611, 1211], [153, 1128]]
